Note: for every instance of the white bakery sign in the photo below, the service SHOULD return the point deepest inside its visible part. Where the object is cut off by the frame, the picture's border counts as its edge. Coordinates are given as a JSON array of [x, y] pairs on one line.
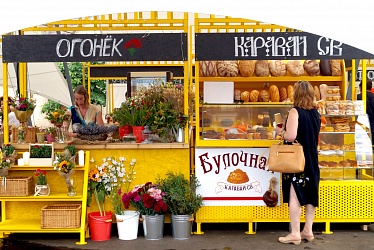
[[234, 176]]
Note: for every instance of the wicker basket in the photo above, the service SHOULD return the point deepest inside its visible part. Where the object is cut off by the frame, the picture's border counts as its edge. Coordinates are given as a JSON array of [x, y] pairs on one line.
[[98, 137], [17, 186], [29, 137], [61, 216]]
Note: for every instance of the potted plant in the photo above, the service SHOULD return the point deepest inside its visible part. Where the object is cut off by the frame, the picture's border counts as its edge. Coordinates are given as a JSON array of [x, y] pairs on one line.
[[9, 152], [71, 150], [50, 134], [182, 202], [41, 154], [99, 187], [42, 186], [120, 177], [149, 201], [5, 164]]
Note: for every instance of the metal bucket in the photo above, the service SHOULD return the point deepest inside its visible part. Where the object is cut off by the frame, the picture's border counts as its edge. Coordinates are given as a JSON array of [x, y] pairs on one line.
[[153, 227], [181, 226]]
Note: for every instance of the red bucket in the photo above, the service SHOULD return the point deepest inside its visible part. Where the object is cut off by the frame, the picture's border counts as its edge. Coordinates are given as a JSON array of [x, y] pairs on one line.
[[100, 226]]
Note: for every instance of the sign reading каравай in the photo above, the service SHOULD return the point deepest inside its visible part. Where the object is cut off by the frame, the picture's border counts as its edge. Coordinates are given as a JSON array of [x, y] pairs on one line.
[[272, 46], [91, 47]]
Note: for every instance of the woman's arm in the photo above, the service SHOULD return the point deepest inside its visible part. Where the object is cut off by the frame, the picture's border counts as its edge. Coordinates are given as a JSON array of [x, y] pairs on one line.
[[99, 119], [292, 125]]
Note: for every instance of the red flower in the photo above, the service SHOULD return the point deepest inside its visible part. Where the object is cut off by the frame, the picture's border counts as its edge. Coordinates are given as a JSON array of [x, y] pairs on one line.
[[148, 200]]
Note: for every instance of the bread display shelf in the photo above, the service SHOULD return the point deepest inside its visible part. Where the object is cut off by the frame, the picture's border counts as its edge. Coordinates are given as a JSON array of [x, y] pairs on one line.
[[333, 132], [274, 79]]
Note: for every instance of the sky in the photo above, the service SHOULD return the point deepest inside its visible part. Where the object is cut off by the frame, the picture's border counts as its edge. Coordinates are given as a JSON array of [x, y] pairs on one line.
[[349, 22]]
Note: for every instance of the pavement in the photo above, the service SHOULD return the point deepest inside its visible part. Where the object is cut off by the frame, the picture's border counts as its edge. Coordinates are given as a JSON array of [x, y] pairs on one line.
[[225, 236]]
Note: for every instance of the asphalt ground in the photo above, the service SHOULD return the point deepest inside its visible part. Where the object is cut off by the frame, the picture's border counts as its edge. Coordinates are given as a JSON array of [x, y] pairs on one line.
[[225, 236]]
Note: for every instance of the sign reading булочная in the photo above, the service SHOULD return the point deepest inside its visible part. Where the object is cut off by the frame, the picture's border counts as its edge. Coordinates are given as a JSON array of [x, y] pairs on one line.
[[93, 47], [272, 46]]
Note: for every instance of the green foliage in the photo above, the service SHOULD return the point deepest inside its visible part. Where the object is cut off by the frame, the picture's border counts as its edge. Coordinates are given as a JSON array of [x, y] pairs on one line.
[[181, 194], [71, 148], [50, 106], [40, 151]]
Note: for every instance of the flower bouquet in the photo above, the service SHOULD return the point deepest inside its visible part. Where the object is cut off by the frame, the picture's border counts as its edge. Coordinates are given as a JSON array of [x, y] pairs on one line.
[[66, 168], [9, 152], [5, 164], [41, 187], [58, 116], [23, 108]]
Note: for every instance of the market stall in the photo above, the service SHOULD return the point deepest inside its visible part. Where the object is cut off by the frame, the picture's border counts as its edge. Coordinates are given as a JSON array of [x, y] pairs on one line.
[[239, 97]]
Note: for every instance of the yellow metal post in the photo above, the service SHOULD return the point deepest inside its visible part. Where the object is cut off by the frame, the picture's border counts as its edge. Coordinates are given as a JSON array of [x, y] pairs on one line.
[[353, 80], [5, 103]]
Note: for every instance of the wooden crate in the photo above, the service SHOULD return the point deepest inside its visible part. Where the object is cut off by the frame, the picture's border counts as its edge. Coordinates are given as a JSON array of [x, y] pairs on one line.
[[17, 186], [41, 161], [61, 216], [30, 136]]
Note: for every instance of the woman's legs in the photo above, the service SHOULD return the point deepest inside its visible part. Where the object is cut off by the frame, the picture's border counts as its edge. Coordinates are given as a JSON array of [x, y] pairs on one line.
[[309, 218], [295, 213]]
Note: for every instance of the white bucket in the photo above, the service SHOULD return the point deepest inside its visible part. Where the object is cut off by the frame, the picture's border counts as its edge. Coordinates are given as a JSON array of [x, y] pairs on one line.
[[127, 225]]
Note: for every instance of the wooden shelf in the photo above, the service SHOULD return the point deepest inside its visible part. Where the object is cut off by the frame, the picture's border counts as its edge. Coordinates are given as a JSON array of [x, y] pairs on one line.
[[273, 79], [31, 226]]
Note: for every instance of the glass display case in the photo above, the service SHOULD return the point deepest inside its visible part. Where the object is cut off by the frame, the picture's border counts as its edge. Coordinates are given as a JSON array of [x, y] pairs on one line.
[[345, 148], [240, 121]]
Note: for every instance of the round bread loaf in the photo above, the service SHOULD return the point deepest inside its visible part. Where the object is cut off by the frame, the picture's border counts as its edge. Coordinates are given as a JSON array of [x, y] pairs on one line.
[[290, 92], [264, 96], [227, 68], [208, 68], [253, 96], [277, 68], [282, 94], [316, 93], [325, 67], [262, 68], [311, 67], [295, 67], [245, 96], [335, 68], [247, 67], [274, 93]]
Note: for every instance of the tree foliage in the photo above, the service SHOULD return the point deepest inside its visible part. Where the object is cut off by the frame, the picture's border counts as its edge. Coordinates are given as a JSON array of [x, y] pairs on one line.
[[98, 87]]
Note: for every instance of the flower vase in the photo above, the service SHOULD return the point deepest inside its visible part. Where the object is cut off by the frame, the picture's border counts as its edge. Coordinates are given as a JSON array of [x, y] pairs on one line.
[[42, 190], [60, 133], [138, 132], [69, 183], [50, 138]]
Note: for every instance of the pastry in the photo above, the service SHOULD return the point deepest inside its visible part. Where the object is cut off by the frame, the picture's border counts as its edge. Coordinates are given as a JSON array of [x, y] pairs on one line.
[[316, 93], [264, 96], [335, 68], [260, 119], [311, 67], [262, 68], [290, 92], [295, 67], [282, 94], [277, 68], [244, 96], [208, 68], [325, 67], [247, 67], [253, 96], [227, 68], [274, 93], [238, 176], [237, 95]]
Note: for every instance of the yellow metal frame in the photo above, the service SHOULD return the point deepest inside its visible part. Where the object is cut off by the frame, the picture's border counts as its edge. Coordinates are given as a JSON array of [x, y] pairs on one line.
[[12, 216]]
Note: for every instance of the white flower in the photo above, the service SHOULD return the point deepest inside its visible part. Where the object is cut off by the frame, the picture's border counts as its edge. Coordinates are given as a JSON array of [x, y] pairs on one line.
[[121, 158], [92, 160]]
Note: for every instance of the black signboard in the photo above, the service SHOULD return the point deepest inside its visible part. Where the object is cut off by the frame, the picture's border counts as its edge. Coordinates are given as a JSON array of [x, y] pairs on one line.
[[369, 74], [272, 46], [91, 47]]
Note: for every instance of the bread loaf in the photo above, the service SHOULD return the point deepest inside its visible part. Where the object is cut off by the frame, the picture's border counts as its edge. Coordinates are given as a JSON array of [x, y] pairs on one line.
[[253, 96], [311, 67], [282, 94], [277, 68], [247, 67], [262, 68], [290, 92], [237, 95], [274, 93], [316, 93], [264, 96], [208, 68], [295, 67], [325, 67], [227, 68], [245, 96], [335, 68]]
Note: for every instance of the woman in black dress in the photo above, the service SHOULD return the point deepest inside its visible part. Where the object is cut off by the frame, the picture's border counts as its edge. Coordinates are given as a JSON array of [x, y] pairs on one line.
[[303, 124]]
